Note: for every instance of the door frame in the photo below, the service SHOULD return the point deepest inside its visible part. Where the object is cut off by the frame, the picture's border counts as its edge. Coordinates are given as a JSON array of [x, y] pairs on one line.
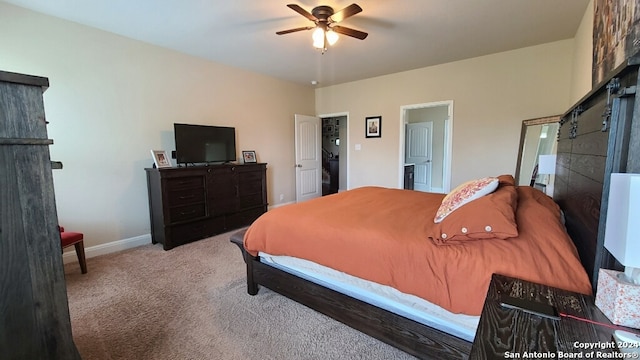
[[344, 140], [448, 141]]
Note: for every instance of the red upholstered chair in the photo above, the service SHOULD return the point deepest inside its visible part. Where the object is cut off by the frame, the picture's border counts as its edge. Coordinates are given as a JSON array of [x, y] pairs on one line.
[[76, 239]]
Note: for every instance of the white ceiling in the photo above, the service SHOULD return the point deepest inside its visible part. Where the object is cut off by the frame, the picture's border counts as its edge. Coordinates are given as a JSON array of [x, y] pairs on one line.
[[403, 34]]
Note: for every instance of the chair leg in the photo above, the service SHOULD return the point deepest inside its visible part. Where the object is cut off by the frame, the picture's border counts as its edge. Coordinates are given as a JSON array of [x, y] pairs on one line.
[[81, 258]]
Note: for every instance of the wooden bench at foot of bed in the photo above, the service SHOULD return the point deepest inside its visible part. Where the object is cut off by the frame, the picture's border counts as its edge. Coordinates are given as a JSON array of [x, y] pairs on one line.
[[410, 336]]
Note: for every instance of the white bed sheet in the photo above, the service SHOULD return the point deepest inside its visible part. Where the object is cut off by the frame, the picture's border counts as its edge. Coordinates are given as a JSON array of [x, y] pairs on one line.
[[382, 296]]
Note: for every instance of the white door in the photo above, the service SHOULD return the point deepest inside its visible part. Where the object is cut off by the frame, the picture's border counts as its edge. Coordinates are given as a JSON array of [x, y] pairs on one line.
[[418, 140], [308, 157]]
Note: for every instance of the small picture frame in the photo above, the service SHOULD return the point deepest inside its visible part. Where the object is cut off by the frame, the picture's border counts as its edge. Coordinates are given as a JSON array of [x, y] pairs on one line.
[[249, 157], [160, 159], [373, 126]]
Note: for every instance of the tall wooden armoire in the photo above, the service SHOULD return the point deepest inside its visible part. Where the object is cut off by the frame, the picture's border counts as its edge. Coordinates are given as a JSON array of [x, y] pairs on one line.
[[34, 311]]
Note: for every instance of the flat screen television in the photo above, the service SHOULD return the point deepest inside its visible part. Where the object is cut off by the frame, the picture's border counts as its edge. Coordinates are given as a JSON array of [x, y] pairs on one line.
[[198, 144]]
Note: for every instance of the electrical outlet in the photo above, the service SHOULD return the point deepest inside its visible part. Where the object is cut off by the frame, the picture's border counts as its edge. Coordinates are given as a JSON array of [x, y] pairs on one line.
[[281, 197]]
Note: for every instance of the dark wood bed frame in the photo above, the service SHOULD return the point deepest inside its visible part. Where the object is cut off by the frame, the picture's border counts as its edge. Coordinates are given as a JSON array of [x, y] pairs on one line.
[[598, 136], [403, 333]]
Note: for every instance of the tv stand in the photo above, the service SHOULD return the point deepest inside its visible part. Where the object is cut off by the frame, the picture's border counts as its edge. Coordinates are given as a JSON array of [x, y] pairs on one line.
[[192, 203]]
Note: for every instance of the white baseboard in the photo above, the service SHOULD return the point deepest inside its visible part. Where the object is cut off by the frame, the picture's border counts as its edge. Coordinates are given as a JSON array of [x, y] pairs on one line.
[[119, 245], [108, 248], [283, 204]]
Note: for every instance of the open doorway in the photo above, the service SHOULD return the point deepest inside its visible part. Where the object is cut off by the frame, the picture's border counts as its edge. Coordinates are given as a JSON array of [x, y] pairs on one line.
[[425, 146], [334, 153]]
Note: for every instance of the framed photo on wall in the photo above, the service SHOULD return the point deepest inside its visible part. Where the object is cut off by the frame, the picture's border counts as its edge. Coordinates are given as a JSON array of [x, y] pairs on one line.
[[249, 157], [373, 126], [160, 159]]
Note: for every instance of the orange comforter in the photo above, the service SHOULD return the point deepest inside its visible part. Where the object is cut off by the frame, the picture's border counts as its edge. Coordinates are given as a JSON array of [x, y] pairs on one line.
[[383, 235]]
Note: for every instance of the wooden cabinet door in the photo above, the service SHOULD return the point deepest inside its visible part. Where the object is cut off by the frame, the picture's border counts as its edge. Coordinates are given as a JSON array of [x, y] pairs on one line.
[[222, 186]]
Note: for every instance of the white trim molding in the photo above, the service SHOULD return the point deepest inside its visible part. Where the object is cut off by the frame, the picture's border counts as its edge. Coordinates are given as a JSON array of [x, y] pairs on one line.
[[108, 248]]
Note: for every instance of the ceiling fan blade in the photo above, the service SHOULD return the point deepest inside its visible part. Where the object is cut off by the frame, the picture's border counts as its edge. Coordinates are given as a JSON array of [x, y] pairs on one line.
[[302, 12], [345, 13], [350, 32], [294, 30]]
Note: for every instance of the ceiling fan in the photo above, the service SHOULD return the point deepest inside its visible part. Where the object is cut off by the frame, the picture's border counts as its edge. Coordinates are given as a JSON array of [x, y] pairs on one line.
[[325, 20]]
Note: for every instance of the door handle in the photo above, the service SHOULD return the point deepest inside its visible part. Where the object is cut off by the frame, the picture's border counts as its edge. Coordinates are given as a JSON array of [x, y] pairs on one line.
[[299, 165]]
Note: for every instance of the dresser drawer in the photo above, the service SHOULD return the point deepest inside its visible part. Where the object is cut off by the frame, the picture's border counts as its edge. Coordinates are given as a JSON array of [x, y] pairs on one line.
[[182, 234], [179, 197], [188, 212], [185, 182]]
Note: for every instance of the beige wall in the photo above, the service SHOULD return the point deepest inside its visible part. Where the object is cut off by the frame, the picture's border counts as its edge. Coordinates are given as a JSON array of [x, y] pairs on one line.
[[113, 99], [491, 96], [582, 57]]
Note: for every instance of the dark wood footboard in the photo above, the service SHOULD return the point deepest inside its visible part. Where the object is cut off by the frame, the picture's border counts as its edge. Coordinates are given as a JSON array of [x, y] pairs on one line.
[[410, 336], [237, 238]]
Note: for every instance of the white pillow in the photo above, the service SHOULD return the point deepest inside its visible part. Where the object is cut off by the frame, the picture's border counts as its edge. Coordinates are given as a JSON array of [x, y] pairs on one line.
[[464, 193]]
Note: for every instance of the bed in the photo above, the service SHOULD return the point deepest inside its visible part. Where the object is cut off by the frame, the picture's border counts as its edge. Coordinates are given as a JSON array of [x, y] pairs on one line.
[[440, 272], [587, 153]]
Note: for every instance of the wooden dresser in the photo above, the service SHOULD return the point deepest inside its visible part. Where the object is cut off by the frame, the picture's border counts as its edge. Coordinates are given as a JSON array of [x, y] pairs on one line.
[[192, 203], [34, 313]]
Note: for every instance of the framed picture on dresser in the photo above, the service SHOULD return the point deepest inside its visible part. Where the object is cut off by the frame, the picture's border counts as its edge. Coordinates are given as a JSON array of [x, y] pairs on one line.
[[249, 156], [160, 159]]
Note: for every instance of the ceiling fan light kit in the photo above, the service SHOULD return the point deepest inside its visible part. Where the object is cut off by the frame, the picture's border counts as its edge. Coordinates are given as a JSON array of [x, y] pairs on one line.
[[332, 37], [324, 18], [322, 38], [318, 38]]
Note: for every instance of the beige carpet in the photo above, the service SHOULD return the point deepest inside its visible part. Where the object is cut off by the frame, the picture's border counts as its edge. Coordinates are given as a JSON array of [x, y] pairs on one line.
[[191, 303]]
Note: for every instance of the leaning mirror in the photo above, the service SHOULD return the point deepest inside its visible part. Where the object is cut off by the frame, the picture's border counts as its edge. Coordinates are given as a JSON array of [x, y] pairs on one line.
[[538, 137]]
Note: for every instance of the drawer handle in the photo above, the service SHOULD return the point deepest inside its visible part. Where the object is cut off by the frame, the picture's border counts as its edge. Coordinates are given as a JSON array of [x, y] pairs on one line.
[[187, 212], [186, 197]]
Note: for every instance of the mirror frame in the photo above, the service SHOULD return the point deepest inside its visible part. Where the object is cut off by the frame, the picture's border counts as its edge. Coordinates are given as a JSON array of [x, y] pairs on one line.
[[523, 134]]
